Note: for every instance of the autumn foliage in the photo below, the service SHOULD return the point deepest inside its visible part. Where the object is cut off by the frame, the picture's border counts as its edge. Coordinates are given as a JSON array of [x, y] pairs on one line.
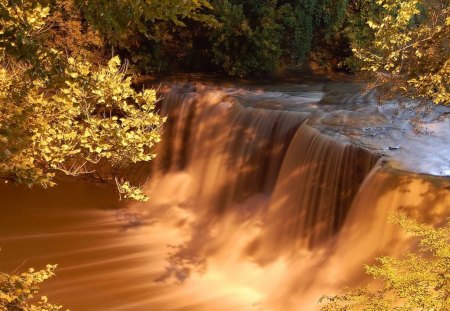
[[405, 45], [417, 281], [63, 114], [17, 290]]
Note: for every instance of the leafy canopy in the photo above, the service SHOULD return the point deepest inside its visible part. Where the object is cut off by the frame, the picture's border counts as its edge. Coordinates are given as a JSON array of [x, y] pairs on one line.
[[64, 114], [404, 43], [246, 40], [117, 20], [15, 290], [243, 37]]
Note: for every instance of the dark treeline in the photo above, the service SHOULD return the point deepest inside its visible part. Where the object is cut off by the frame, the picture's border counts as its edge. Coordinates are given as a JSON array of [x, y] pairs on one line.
[[249, 37]]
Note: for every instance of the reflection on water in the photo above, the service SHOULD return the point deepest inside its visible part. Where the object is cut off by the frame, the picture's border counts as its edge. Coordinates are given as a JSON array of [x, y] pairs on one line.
[[251, 209]]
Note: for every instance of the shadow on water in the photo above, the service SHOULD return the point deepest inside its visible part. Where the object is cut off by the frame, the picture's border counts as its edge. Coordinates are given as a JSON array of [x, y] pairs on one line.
[[250, 209], [237, 153]]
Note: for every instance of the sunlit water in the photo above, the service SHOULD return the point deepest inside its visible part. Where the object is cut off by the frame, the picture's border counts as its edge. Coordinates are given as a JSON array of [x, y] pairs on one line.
[[261, 199]]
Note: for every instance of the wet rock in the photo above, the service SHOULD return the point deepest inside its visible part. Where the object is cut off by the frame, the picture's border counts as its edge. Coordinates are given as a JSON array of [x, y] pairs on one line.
[[394, 147]]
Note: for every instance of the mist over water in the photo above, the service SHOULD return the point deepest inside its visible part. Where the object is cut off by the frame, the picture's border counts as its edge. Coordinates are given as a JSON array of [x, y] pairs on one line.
[[261, 199]]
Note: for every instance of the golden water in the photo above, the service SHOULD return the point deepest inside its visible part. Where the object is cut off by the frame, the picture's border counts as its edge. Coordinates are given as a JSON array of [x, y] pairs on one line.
[[251, 209]]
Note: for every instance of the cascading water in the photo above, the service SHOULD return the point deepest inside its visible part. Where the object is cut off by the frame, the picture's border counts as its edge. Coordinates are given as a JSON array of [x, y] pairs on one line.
[[260, 200], [232, 152], [326, 175]]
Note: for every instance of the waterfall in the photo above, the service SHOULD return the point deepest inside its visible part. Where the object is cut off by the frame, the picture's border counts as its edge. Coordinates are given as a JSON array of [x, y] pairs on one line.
[[326, 200], [315, 189], [232, 151], [235, 152], [255, 204]]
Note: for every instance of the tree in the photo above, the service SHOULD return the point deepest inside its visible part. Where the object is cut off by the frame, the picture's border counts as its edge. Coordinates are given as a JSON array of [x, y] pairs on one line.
[[59, 113], [404, 43], [419, 281], [168, 45], [16, 290], [68, 31], [246, 41], [309, 25], [118, 20]]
